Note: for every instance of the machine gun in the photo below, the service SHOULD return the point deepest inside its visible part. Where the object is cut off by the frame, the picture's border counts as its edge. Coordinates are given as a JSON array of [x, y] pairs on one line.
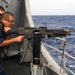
[[43, 31], [37, 34]]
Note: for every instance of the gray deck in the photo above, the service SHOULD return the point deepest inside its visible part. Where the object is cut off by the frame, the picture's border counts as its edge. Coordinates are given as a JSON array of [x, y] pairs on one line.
[[13, 67]]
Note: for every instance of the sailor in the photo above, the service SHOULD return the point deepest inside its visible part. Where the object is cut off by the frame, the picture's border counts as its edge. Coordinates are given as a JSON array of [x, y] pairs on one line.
[[2, 10], [6, 23]]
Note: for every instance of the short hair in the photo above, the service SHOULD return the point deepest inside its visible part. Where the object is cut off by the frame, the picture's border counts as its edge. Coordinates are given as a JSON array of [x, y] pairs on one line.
[[6, 15], [2, 9]]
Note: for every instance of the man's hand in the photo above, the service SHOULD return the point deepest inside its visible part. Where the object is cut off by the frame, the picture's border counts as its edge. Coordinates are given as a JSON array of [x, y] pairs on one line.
[[19, 38]]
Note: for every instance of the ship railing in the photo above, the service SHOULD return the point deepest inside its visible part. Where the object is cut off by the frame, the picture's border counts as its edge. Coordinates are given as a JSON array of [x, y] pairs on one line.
[[63, 52]]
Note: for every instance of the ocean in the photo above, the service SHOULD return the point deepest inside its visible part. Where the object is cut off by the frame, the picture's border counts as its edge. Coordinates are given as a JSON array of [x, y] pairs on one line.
[[59, 22]]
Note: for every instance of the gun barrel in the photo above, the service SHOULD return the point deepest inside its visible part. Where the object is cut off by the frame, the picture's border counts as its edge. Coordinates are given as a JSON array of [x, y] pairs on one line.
[[71, 30], [57, 32]]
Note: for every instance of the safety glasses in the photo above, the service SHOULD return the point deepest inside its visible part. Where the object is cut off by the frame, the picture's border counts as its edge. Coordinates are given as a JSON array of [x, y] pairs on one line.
[[11, 21]]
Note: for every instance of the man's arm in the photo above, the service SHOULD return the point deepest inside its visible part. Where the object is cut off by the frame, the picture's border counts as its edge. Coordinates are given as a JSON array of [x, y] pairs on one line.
[[10, 41]]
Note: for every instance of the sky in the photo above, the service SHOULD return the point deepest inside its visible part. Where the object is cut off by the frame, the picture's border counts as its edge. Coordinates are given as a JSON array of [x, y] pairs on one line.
[[52, 7]]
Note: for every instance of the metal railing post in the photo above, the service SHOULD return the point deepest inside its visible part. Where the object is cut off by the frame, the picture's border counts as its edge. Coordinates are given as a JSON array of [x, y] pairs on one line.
[[63, 55]]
